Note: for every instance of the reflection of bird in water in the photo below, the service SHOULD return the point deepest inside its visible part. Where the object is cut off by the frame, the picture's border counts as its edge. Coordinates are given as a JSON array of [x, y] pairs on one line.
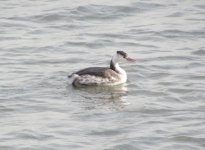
[[105, 89], [112, 75], [101, 96]]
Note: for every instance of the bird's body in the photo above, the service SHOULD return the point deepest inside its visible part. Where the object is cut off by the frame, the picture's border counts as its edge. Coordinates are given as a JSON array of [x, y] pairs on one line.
[[93, 76]]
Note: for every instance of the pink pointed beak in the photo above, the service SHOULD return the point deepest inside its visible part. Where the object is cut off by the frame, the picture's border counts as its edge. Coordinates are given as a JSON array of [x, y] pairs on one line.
[[130, 59]]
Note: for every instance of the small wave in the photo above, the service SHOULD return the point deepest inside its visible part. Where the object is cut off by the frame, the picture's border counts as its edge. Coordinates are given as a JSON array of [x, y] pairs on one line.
[[180, 34], [200, 52]]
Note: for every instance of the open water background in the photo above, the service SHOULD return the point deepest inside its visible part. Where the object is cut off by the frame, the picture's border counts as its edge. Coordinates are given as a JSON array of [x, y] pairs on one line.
[[162, 106]]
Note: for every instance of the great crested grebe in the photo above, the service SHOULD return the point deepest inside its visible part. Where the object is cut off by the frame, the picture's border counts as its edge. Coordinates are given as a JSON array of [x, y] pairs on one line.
[[112, 75]]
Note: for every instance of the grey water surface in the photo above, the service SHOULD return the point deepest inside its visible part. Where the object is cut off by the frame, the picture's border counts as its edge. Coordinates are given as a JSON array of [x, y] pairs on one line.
[[162, 105]]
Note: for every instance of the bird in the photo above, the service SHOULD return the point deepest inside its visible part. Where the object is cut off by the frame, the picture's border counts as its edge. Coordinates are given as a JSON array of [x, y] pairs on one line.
[[102, 76]]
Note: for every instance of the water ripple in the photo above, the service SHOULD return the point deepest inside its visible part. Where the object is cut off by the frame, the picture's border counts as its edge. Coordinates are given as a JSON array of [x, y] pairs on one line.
[[160, 107]]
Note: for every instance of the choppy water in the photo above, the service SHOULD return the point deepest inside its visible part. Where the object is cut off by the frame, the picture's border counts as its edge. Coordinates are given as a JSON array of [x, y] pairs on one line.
[[162, 106]]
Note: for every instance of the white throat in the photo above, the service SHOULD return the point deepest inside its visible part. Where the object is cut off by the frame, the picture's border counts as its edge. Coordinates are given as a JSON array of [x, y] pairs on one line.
[[119, 69], [115, 66]]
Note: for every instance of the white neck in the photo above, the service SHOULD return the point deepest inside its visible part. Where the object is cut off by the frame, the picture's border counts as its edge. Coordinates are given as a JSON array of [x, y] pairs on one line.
[[115, 66], [119, 69]]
